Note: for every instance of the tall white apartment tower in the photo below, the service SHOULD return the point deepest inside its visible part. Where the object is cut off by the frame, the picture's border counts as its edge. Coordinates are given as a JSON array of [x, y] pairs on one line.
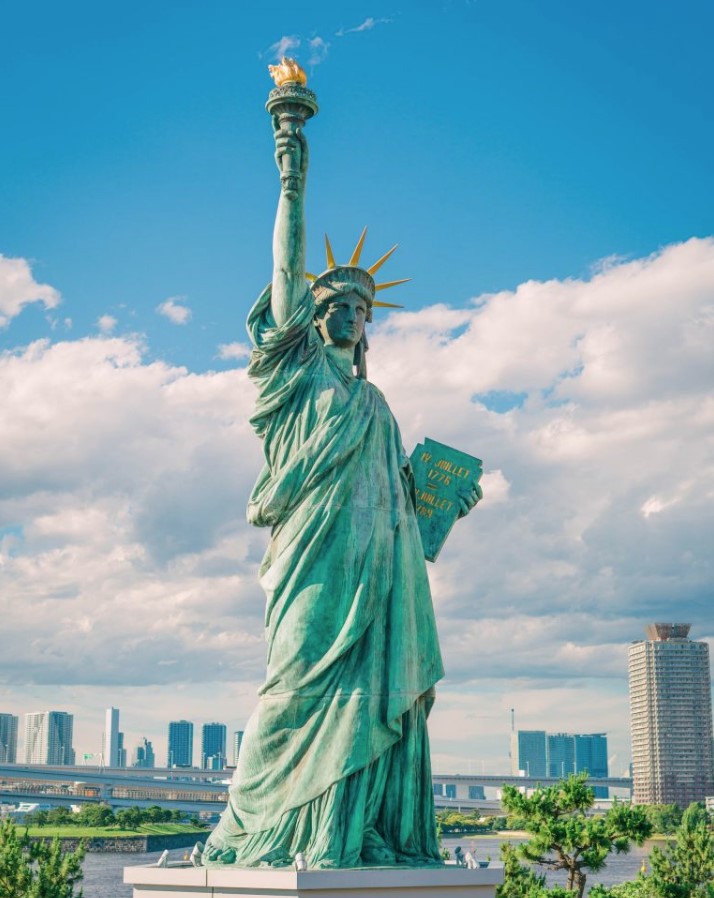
[[671, 717], [48, 738], [110, 746]]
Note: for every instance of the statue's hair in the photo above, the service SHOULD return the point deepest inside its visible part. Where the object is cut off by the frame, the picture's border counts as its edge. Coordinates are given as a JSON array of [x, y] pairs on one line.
[[327, 292]]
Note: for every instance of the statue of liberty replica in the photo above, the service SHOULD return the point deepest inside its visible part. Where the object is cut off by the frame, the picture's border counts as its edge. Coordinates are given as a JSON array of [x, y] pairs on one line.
[[334, 765]]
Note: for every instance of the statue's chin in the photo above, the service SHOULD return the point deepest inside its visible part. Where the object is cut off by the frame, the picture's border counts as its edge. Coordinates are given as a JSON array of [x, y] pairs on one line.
[[343, 344]]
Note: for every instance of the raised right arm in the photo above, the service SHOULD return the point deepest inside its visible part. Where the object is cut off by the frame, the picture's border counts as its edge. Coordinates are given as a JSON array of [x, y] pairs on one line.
[[289, 233]]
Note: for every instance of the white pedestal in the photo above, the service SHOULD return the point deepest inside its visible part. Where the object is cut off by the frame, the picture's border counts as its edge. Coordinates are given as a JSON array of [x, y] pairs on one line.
[[183, 881]]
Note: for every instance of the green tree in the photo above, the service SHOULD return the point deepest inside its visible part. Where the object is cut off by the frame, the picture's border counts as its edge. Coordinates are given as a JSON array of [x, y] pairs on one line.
[[60, 816], [15, 865], [685, 868], [564, 838], [665, 818], [36, 818], [56, 871], [637, 888], [36, 870], [155, 814], [95, 815], [129, 818], [519, 881]]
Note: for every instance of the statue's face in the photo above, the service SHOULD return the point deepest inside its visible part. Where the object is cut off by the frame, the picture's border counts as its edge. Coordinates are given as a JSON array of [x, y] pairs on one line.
[[342, 323]]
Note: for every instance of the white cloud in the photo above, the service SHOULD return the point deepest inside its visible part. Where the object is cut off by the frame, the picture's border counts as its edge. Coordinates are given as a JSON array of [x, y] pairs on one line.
[[18, 288], [238, 351], [368, 24], [317, 47], [174, 310], [318, 50], [283, 46], [106, 323], [124, 484]]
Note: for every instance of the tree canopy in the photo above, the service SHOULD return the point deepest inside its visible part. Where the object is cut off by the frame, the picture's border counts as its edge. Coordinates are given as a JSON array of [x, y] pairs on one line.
[[564, 837], [36, 869]]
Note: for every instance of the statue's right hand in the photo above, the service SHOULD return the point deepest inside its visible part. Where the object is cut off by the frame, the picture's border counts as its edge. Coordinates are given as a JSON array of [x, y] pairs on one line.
[[293, 145]]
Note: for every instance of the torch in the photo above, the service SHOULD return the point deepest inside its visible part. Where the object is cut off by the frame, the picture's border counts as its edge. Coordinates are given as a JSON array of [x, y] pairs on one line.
[[293, 104]]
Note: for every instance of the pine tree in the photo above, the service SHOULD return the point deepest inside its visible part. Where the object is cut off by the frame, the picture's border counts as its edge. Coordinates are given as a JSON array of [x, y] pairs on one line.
[[564, 838], [36, 869]]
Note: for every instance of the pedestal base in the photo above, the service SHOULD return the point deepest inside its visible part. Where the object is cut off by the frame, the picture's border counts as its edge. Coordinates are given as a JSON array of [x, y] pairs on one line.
[[182, 881]]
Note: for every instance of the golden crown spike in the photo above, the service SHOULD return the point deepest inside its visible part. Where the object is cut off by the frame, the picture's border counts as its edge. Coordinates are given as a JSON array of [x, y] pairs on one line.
[[354, 258], [353, 264], [328, 252]]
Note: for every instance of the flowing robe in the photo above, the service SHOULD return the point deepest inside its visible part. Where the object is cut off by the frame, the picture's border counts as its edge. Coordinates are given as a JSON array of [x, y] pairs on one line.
[[335, 760]]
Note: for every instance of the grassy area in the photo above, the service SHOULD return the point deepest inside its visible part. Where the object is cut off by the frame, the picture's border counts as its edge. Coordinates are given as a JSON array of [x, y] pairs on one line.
[[112, 832]]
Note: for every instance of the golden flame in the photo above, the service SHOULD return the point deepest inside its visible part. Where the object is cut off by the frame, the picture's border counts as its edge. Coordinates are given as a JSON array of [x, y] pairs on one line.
[[287, 71]]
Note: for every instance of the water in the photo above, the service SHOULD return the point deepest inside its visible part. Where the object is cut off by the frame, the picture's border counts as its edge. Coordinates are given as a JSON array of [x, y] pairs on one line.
[[619, 868], [103, 873]]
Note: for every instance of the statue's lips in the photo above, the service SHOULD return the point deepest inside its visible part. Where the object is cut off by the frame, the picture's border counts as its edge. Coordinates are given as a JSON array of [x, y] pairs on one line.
[[351, 330]]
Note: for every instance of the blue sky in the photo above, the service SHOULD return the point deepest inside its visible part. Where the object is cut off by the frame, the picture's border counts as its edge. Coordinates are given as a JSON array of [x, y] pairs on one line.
[[546, 169], [496, 142]]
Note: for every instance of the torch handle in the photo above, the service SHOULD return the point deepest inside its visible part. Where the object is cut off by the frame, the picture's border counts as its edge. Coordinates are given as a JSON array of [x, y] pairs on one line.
[[291, 175]]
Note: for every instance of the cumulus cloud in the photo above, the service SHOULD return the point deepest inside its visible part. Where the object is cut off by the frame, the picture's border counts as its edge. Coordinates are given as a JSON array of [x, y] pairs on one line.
[[126, 562], [106, 323], [174, 309], [238, 351], [18, 288]]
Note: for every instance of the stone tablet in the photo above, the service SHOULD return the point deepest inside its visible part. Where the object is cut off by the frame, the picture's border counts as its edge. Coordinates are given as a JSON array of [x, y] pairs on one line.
[[440, 474]]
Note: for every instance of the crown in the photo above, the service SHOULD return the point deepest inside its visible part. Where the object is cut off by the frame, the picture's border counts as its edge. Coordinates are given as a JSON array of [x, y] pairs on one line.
[[338, 275]]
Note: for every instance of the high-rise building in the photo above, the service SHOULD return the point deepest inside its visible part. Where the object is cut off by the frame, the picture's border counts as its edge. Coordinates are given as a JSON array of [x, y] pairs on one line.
[[144, 754], [537, 753], [528, 753], [110, 747], [48, 738], [213, 746], [560, 753], [237, 742], [591, 755], [180, 752], [8, 738], [671, 717], [121, 751]]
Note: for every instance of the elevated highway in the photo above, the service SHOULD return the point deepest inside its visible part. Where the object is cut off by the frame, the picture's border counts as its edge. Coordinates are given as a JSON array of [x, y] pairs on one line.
[[193, 790]]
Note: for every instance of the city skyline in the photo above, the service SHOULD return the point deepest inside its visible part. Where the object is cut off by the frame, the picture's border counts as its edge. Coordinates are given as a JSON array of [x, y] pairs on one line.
[[550, 188]]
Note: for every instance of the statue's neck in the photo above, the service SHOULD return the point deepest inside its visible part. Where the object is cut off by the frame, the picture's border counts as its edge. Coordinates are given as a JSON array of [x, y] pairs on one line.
[[342, 357]]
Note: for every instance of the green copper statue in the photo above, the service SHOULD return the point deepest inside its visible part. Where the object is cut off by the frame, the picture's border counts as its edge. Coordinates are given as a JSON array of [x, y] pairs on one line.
[[334, 765]]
